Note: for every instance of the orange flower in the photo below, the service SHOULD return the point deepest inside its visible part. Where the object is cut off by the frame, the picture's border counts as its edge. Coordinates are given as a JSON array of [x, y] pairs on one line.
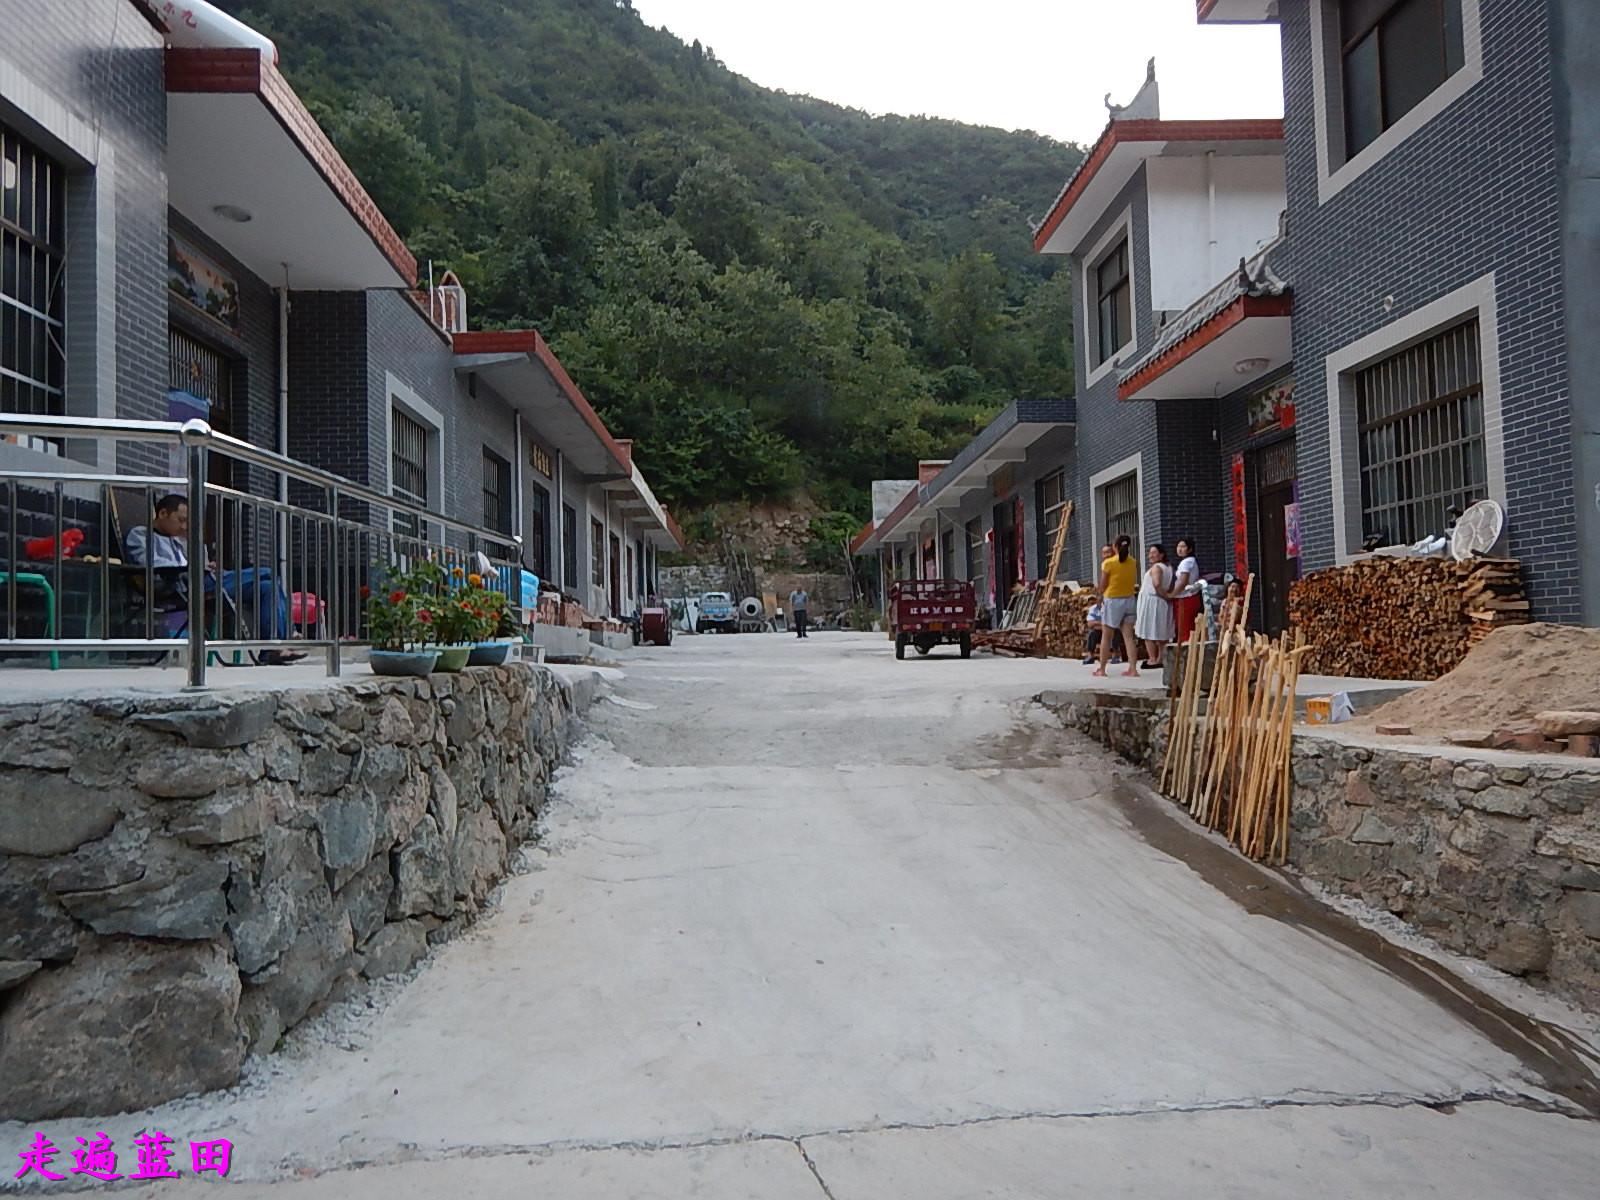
[[475, 580], [456, 572]]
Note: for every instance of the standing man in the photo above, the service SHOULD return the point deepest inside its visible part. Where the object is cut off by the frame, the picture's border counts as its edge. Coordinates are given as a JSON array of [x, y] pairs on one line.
[[798, 603]]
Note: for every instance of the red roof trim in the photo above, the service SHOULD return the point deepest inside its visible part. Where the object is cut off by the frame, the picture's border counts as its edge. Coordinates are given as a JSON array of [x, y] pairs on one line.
[[897, 514], [1239, 311], [856, 542], [528, 341], [1205, 7], [672, 528], [242, 71], [1119, 133]]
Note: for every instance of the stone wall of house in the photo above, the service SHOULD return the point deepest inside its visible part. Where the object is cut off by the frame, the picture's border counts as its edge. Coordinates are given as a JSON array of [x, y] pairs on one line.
[[1495, 859], [185, 877]]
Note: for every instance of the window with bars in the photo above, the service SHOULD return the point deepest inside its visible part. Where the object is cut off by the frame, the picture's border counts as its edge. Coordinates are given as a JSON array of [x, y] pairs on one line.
[[977, 558], [1113, 289], [1421, 434], [597, 553], [1052, 505], [1394, 53], [408, 468], [539, 530], [496, 493], [1119, 502], [33, 363], [569, 546]]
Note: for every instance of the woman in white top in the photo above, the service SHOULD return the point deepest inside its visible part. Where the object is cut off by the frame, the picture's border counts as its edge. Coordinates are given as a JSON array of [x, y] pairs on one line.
[[1186, 589], [1153, 621]]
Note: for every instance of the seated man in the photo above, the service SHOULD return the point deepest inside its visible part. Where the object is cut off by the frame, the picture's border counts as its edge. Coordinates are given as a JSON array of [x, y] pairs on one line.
[[164, 545], [1095, 620]]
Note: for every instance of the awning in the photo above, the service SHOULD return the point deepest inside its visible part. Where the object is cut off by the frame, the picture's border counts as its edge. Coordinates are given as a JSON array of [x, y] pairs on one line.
[[1238, 332], [1122, 149], [522, 368], [1004, 441], [248, 165], [632, 499]]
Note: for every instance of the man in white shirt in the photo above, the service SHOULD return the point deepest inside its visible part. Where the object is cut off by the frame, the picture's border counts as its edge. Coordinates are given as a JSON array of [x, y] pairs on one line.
[[164, 543]]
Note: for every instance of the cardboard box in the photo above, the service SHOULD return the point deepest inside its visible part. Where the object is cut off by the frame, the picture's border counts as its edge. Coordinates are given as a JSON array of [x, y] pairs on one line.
[[1329, 710]]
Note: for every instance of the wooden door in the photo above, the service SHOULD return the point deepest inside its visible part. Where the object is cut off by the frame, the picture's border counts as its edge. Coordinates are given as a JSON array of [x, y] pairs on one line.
[[1278, 569]]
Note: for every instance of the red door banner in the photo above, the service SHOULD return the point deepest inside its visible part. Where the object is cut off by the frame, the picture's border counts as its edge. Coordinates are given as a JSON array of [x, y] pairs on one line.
[[1241, 526]]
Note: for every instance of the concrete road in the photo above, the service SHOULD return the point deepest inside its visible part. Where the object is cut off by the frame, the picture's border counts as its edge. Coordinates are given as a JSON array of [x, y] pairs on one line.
[[809, 922]]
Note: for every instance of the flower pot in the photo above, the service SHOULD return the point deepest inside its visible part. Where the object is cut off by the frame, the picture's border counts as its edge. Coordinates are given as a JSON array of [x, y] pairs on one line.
[[452, 658], [402, 662], [488, 654]]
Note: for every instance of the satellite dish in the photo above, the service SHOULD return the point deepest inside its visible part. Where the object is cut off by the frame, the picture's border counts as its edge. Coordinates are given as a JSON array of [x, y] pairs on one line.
[[1477, 531], [750, 608]]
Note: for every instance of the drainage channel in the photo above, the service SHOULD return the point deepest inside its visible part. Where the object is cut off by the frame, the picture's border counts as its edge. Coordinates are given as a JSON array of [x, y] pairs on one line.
[[1556, 1057]]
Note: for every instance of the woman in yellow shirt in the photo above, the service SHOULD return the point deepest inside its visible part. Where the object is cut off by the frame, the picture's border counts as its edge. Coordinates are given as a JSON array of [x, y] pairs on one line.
[[1119, 593]]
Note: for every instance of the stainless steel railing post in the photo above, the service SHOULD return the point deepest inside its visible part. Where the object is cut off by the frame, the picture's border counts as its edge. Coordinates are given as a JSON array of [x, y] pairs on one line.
[[195, 452]]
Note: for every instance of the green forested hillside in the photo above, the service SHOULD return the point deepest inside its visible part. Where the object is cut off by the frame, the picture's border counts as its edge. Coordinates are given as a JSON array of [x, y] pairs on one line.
[[770, 292]]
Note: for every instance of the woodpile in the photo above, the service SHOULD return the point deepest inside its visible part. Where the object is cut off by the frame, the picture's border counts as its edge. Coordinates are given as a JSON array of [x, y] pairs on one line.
[[1065, 631], [1403, 618]]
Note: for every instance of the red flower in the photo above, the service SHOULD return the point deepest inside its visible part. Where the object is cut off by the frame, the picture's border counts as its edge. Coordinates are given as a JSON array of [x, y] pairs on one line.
[[425, 617], [366, 592], [396, 596]]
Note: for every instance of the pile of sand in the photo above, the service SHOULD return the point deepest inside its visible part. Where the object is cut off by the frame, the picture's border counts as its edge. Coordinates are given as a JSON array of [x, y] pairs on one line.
[[1510, 676]]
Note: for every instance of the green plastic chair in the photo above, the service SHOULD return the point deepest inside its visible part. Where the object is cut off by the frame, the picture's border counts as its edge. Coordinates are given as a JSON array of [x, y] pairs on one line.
[[30, 579]]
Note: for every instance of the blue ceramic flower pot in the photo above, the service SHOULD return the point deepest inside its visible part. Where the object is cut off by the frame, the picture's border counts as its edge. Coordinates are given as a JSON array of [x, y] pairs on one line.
[[402, 662], [489, 654]]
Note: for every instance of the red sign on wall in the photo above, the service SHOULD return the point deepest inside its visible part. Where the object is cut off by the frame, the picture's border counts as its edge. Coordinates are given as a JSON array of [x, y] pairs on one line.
[[1241, 525]]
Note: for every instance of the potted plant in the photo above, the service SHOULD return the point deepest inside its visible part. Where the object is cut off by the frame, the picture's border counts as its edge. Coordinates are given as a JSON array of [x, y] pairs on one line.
[[398, 629], [496, 620], [455, 623]]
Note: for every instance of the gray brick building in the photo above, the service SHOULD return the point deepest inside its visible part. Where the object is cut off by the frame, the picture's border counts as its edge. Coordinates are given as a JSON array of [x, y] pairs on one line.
[[182, 240], [1410, 344]]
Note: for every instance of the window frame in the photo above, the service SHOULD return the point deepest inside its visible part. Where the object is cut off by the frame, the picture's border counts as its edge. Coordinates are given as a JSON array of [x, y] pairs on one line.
[[1421, 437], [37, 324], [1098, 483], [1477, 298], [1380, 30], [1050, 518], [597, 553], [571, 557], [1120, 229], [497, 518], [1336, 169]]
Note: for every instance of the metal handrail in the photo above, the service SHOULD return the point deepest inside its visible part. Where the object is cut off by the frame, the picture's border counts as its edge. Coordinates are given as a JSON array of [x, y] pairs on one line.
[[198, 440], [198, 432]]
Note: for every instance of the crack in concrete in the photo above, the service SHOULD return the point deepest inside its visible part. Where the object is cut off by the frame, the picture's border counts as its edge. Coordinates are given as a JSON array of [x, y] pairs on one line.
[[811, 1166], [1302, 1099]]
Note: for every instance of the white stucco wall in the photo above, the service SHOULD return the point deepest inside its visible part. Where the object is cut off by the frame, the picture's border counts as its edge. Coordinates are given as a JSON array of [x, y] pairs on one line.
[[1184, 262]]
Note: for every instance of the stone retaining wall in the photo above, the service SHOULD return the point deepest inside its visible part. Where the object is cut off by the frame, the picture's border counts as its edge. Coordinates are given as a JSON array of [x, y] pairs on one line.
[[184, 877], [1495, 856]]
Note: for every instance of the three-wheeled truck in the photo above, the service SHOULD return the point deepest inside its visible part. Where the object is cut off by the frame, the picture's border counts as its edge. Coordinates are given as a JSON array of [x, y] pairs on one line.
[[931, 612]]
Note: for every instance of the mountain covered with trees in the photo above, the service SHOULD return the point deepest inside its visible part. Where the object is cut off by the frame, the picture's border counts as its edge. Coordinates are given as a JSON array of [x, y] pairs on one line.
[[770, 292]]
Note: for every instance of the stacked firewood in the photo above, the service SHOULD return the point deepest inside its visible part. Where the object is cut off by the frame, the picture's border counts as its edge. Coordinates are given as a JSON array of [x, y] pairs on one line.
[[1063, 630], [1403, 618]]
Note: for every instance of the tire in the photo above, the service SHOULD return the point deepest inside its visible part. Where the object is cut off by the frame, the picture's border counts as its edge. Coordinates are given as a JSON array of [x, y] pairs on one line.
[[699, 626], [923, 647], [966, 645], [899, 645]]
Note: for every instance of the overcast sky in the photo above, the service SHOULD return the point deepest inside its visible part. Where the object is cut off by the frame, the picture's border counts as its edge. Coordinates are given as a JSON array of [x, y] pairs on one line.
[[1039, 64]]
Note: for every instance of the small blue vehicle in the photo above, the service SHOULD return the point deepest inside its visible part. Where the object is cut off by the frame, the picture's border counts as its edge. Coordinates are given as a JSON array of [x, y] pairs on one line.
[[717, 612]]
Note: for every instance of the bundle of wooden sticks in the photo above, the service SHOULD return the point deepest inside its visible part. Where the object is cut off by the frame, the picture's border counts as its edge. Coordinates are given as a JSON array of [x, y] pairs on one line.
[[1229, 764]]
